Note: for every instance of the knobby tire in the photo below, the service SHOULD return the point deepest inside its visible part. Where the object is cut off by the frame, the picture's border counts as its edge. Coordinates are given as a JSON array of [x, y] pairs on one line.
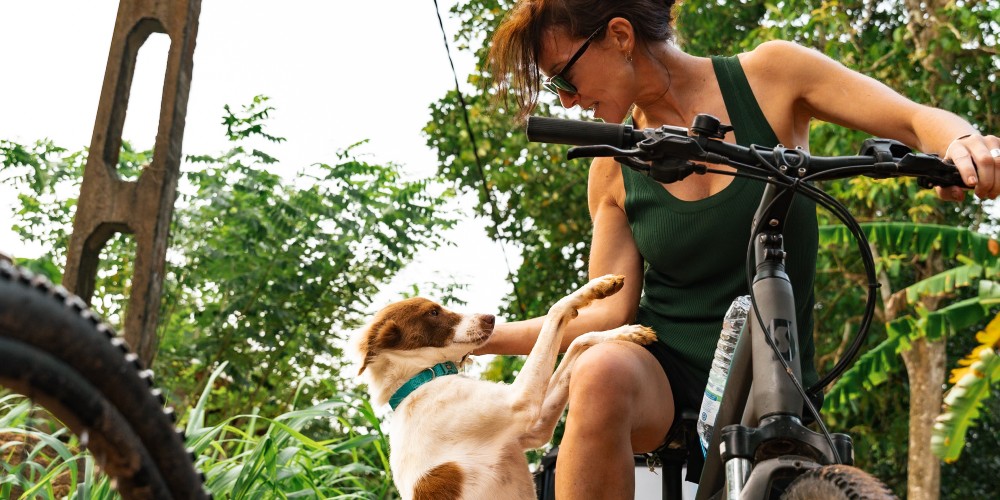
[[837, 482], [57, 352]]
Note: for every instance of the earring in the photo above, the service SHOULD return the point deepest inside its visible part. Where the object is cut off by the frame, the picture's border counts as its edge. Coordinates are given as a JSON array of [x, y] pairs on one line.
[[628, 58]]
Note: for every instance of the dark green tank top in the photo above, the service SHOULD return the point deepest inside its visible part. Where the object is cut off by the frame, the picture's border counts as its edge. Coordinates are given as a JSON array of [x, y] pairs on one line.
[[695, 251]]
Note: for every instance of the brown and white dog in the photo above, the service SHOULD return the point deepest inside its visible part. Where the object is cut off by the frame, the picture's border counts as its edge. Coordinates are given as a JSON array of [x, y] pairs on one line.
[[457, 437]]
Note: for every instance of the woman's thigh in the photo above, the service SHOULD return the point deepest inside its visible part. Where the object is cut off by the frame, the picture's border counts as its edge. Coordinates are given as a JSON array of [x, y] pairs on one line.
[[620, 389]]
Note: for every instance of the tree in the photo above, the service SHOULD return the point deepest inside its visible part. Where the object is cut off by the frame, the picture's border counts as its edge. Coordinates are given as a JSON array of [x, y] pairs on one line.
[[919, 337], [530, 196], [264, 272]]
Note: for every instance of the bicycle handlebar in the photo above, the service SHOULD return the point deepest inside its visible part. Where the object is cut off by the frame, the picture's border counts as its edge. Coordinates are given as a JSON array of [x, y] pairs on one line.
[[580, 133], [666, 153]]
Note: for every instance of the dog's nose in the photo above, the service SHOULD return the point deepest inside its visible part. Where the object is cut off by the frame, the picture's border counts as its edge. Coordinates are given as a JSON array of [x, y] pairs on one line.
[[487, 320]]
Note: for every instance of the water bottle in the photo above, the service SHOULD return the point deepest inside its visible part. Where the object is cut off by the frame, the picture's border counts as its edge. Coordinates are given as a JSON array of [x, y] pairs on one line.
[[732, 325]]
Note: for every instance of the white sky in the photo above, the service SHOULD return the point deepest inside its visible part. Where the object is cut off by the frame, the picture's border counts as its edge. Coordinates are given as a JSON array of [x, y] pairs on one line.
[[336, 71]]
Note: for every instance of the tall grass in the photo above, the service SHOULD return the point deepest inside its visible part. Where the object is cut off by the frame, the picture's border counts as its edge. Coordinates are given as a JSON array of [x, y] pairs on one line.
[[332, 449], [35, 457]]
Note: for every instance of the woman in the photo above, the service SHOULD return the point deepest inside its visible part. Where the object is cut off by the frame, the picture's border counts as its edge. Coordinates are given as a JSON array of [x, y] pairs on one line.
[[615, 58]]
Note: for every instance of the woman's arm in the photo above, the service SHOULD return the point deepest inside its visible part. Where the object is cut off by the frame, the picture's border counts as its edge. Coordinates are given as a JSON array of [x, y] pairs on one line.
[[612, 251], [819, 87]]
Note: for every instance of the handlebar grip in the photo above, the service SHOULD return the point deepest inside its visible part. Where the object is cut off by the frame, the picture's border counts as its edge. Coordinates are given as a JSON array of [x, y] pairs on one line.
[[580, 133]]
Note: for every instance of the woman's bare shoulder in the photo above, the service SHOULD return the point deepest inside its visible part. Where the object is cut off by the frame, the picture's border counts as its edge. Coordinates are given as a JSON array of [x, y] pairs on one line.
[[605, 185], [782, 59], [778, 48]]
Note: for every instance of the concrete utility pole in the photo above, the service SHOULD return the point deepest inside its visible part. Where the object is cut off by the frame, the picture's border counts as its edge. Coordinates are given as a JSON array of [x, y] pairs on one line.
[[108, 204]]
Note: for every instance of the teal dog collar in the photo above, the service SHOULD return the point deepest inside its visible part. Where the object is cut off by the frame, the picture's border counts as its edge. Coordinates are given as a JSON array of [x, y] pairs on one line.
[[428, 374]]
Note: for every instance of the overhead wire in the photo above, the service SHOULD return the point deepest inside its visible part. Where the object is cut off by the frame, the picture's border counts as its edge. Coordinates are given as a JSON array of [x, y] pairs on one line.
[[487, 192]]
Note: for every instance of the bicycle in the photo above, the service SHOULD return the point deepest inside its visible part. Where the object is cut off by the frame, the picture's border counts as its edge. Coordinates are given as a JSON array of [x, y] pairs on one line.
[[760, 447], [56, 351]]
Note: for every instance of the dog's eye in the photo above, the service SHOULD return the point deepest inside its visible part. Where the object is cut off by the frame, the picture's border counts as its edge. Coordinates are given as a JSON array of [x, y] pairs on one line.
[[434, 312]]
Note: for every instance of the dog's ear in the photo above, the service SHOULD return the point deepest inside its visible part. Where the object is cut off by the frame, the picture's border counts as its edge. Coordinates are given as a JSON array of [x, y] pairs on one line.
[[382, 335]]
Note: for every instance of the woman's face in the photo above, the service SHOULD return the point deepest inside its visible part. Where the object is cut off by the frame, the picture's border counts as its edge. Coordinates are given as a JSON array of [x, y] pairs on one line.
[[600, 73]]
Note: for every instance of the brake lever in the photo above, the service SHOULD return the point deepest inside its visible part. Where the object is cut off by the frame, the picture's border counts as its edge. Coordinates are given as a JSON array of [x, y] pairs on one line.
[[663, 171], [896, 158], [663, 166], [921, 164], [675, 171], [638, 166], [602, 150]]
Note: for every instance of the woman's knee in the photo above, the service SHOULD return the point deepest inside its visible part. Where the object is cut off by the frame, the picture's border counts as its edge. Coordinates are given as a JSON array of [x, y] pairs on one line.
[[622, 385], [605, 376]]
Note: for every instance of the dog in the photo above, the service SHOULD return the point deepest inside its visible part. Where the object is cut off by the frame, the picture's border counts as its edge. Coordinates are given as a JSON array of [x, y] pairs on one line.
[[457, 437]]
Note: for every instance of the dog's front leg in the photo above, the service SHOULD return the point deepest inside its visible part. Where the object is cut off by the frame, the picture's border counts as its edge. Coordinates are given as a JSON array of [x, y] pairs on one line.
[[530, 384], [558, 390]]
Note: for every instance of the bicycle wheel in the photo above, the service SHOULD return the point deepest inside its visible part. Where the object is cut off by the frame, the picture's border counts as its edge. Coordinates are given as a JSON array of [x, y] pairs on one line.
[[836, 482], [57, 352]]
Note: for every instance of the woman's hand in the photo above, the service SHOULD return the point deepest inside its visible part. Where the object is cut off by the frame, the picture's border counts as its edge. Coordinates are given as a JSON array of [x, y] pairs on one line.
[[977, 158]]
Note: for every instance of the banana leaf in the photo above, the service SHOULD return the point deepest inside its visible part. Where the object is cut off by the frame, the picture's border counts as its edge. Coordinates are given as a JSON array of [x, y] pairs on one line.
[[947, 282], [961, 406], [869, 371], [873, 368], [973, 379], [919, 240]]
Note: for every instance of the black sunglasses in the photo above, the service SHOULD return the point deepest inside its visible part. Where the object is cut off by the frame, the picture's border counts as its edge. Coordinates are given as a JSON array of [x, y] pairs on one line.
[[558, 82]]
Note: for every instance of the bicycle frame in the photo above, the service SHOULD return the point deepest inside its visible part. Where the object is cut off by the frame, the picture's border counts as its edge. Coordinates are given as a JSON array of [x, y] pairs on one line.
[[762, 437]]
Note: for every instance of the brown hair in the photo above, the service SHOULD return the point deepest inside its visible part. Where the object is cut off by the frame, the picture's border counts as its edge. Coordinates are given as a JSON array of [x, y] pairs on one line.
[[517, 41]]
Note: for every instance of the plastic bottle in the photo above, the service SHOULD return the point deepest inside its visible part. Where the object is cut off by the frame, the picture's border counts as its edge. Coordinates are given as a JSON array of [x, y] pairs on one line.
[[732, 325]]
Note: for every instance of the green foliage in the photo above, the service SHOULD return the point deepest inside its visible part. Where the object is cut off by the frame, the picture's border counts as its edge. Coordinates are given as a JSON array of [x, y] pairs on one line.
[[266, 266], [908, 254], [940, 54], [875, 366], [918, 241], [288, 264], [947, 283], [315, 452], [962, 404], [41, 459], [970, 475], [540, 197], [977, 372], [34, 456], [915, 243], [332, 449]]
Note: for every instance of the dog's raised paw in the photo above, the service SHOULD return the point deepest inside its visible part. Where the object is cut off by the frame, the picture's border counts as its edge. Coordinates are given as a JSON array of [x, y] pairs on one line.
[[642, 335], [606, 285], [595, 289]]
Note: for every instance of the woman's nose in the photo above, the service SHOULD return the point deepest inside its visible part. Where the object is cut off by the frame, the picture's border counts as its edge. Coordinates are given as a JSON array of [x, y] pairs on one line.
[[568, 99]]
